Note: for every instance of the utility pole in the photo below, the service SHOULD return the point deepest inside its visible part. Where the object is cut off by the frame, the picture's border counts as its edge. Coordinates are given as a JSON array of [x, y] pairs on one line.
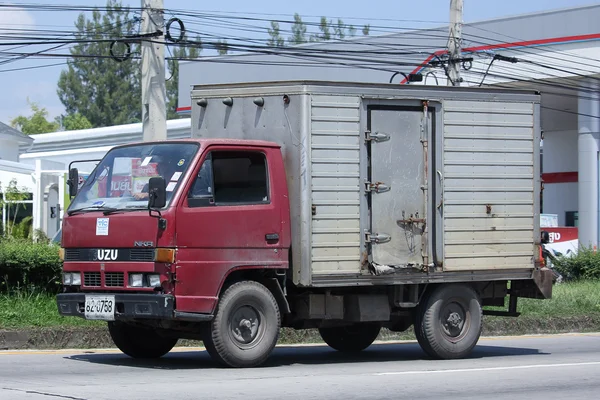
[[154, 93], [454, 42]]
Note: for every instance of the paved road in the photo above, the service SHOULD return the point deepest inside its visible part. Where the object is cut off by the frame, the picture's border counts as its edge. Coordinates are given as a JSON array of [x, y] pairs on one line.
[[536, 367]]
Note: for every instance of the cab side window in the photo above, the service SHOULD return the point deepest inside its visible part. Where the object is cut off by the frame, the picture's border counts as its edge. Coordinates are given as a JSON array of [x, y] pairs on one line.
[[202, 188], [231, 178]]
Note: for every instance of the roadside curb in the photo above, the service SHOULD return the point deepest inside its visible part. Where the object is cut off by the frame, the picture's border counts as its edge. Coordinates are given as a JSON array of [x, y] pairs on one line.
[[97, 337]]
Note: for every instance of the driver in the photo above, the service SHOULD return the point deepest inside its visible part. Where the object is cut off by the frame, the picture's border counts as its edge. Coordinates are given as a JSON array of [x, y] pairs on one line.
[[165, 169]]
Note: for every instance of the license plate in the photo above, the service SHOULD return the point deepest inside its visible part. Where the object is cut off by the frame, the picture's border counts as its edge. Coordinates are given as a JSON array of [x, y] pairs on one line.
[[100, 307]]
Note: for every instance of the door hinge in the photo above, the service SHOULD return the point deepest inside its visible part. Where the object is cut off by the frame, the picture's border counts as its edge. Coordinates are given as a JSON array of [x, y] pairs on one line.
[[377, 238], [376, 136], [377, 187]]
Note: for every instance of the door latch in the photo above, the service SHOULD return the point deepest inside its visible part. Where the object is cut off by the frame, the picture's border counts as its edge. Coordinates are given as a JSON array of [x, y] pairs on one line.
[[378, 238], [376, 136], [377, 187]]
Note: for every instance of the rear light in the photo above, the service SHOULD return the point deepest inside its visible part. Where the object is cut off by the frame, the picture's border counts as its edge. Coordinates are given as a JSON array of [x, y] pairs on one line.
[[163, 255]]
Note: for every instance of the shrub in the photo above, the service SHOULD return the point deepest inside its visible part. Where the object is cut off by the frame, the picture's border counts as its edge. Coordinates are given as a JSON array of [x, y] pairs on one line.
[[584, 265], [31, 265]]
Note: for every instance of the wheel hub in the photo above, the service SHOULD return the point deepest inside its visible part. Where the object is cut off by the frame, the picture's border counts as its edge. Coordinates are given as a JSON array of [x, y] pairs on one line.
[[453, 320], [245, 324]]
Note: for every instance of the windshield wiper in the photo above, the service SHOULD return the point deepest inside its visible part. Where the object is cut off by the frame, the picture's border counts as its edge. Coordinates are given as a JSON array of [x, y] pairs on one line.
[[89, 208], [114, 210]]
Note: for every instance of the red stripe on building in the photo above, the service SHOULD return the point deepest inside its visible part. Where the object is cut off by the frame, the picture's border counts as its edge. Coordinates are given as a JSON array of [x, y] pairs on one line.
[[181, 109], [560, 177]]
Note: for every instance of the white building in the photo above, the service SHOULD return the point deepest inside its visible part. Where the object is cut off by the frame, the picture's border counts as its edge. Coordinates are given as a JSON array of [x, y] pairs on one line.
[[556, 53]]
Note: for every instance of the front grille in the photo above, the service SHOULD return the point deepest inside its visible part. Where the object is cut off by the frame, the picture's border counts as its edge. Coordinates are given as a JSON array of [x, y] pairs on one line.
[[141, 254], [114, 279], [92, 279], [72, 255]]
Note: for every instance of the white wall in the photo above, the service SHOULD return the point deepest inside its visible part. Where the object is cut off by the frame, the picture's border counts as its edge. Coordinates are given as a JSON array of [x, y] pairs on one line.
[[41, 205], [22, 173], [560, 155], [9, 150], [65, 156]]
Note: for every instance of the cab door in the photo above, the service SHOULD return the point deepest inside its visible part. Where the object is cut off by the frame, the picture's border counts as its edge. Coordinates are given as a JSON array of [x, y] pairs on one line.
[[230, 219]]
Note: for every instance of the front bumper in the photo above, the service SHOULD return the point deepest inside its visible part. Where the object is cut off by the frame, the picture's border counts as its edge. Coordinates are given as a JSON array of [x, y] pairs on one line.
[[127, 305], [131, 306]]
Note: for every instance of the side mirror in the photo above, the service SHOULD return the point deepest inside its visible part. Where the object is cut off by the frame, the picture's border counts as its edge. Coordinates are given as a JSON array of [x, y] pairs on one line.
[[545, 237], [157, 192], [73, 181]]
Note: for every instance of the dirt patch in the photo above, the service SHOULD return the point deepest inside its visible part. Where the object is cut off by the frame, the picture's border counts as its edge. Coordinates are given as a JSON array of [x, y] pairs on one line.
[[98, 337]]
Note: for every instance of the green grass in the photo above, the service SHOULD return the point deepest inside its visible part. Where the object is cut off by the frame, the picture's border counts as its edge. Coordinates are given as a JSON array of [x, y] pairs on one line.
[[28, 310], [568, 299]]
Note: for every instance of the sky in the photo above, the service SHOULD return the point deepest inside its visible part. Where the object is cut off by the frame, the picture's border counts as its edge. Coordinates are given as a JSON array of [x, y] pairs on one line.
[[39, 85]]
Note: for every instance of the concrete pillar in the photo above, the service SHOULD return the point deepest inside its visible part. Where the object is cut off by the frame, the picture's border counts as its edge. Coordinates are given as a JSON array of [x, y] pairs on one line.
[[588, 121]]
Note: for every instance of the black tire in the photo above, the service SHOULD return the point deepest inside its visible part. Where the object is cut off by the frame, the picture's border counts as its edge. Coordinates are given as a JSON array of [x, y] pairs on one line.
[[350, 339], [246, 326], [138, 342], [448, 322]]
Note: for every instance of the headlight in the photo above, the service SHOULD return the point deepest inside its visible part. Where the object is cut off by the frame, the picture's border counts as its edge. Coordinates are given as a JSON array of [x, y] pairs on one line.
[[153, 280], [136, 280], [71, 278], [76, 279]]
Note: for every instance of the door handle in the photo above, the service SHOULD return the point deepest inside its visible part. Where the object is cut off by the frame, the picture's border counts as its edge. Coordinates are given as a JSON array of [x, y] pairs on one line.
[[272, 237]]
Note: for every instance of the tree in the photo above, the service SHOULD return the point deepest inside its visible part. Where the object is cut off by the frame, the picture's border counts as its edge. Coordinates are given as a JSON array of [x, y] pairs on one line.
[[35, 123], [324, 26], [222, 47], [102, 90], [328, 30], [276, 40], [73, 122], [298, 31], [13, 196], [351, 31], [340, 29], [188, 52]]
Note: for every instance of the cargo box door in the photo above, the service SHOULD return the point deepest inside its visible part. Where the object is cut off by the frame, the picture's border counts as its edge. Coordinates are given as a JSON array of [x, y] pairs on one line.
[[394, 185]]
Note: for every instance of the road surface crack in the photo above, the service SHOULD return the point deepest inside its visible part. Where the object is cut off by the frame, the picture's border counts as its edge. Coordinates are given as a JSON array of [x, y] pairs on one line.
[[44, 393]]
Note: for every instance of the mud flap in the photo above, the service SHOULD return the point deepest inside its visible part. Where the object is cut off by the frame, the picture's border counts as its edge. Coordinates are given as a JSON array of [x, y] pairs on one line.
[[543, 280], [538, 287]]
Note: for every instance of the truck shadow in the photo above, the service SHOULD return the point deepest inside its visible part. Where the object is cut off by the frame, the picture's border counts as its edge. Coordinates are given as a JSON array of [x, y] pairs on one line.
[[303, 355]]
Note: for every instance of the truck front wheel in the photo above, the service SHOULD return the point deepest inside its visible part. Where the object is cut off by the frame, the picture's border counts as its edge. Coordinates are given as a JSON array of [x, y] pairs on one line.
[[246, 326], [448, 322], [350, 339], [138, 342]]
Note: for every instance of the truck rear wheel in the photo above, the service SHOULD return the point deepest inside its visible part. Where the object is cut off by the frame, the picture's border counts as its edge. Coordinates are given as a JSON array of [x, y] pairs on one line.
[[246, 326], [449, 321], [350, 339], [138, 342]]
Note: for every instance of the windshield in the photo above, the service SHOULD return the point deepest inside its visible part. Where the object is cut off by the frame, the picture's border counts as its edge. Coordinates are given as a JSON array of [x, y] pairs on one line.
[[121, 178]]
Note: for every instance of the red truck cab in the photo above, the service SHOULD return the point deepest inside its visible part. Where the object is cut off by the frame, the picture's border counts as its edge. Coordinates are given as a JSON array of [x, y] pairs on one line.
[[156, 272]]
